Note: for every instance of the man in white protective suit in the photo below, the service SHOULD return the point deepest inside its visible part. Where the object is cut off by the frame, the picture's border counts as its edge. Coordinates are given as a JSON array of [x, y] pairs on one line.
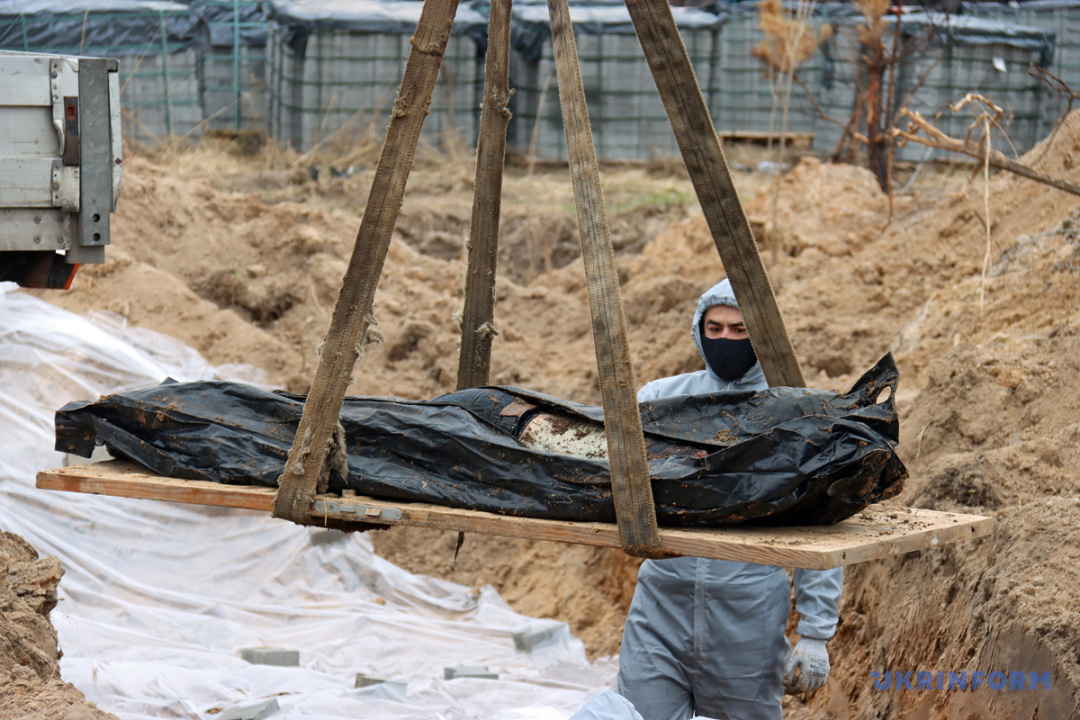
[[706, 637]]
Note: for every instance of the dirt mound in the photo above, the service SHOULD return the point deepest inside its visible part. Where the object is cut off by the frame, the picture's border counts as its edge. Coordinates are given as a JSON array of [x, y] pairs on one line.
[[994, 432], [29, 656], [993, 349], [827, 211], [538, 230]]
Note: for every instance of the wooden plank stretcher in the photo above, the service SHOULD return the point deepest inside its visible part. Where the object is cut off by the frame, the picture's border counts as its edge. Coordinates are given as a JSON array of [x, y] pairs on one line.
[[877, 532]]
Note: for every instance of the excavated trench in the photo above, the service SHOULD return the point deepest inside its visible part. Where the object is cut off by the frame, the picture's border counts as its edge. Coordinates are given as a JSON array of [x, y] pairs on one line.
[[989, 397]]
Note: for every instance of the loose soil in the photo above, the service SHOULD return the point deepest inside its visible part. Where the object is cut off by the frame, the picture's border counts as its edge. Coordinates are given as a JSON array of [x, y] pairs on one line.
[[30, 684], [242, 261]]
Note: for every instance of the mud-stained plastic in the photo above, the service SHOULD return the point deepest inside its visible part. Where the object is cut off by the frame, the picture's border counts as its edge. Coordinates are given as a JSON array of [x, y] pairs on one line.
[[783, 456]]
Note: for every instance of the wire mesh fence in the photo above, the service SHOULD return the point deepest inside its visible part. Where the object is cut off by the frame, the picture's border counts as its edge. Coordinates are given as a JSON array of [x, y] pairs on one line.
[[327, 71], [625, 111], [942, 59], [232, 65], [333, 72], [154, 43], [744, 96], [1062, 19]]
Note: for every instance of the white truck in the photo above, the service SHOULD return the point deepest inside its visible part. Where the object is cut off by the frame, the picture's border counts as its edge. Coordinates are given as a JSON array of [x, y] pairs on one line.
[[61, 159]]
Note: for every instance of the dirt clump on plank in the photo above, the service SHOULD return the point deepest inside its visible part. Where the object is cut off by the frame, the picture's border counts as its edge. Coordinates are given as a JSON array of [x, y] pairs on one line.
[[985, 329]]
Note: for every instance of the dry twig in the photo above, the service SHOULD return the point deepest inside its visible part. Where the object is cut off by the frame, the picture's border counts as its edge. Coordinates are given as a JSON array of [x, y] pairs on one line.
[[1055, 83], [1058, 86], [935, 138]]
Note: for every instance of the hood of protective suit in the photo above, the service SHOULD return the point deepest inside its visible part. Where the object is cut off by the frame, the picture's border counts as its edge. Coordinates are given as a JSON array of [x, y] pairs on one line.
[[722, 294]]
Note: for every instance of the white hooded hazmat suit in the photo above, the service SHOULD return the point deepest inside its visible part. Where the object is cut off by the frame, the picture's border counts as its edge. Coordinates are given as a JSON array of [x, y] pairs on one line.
[[707, 636]]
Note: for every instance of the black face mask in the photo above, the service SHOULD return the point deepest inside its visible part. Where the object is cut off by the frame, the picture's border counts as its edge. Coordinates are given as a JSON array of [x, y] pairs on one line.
[[730, 359]]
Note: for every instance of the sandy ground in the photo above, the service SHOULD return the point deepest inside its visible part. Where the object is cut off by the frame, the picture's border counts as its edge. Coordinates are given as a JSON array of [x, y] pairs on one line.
[[241, 259], [30, 683]]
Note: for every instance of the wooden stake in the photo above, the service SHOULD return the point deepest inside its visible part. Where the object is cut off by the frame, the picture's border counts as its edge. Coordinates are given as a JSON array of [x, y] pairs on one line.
[[630, 482], [704, 158], [477, 328], [350, 325]]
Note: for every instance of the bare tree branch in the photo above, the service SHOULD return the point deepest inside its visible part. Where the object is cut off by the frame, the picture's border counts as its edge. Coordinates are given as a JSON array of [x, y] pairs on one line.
[[1058, 86], [935, 138], [817, 106], [1053, 82]]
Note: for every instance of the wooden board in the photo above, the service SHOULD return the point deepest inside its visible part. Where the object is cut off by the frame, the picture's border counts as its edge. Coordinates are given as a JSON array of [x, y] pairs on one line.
[[794, 139], [877, 532]]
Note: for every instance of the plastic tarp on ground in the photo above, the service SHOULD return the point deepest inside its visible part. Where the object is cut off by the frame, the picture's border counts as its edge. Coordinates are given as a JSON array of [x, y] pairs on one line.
[[122, 27], [157, 599]]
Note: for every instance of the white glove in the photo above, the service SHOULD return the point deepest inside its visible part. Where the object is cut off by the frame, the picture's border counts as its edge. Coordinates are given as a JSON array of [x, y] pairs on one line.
[[812, 660]]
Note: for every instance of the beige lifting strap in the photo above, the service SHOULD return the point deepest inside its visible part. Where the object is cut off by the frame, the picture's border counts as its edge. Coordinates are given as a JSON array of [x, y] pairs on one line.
[[477, 328], [351, 322], [704, 158], [630, 482]]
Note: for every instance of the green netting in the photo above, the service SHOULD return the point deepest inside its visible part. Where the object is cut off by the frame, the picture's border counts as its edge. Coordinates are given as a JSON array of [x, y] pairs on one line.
[[233, 87], [232, 69], [181, 69]]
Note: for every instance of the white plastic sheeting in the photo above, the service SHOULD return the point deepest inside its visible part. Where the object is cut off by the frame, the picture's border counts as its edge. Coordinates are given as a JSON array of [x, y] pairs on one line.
[[158, 599]]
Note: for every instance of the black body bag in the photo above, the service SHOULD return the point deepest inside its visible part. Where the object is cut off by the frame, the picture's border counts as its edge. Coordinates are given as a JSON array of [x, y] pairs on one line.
[[783, 456]]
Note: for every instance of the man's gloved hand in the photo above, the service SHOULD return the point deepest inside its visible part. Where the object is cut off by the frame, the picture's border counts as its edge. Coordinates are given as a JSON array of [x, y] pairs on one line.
[[812, 660]]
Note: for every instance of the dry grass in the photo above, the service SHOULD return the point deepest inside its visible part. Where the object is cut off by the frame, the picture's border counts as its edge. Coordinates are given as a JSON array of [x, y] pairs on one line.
[[215, 155], [789, 40], [873, 11]]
